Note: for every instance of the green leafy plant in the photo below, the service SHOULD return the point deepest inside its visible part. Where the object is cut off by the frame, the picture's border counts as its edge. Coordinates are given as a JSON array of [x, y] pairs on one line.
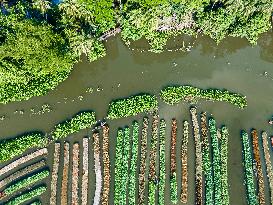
[[27, 196], [216, 161], [175, 94], [131, 106], [26, 182], [247, 162], [133, 165], [80, 121], [162, 164], [13, 147], [224, 165]]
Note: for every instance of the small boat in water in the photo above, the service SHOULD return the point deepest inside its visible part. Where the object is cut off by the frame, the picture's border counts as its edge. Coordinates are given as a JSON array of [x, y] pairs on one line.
[[272, 141]]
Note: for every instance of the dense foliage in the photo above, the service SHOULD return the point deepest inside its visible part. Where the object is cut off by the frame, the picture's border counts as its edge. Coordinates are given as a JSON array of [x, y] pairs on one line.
[[249, 178], [80, 121], [10, 148], [24, 183], [131, 106], [27, 196], [40, 41], [174, 94], [158, 20]]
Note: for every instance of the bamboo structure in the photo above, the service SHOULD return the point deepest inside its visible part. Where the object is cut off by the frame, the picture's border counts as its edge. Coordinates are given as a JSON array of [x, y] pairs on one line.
[[198, 157], [97, 169], [75, 173], [22, 172], [23, 160], [259, 171], [143, 154], [162, 169], [268, 164], [173, 180], [54, 175], [65, 174], [106, 165], [153, 153], [184, 162], [85, 160], [207, 165], [133, 168]]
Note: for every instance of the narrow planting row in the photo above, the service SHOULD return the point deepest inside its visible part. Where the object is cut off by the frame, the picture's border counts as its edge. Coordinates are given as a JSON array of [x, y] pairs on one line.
[[259, 171], [143, 155], [184, 162], [25, 183], [85, 161], [249, 180], [207, 165], [23, 160], [224, 165], [198, 157], [268, 164], [106, 165], [27, 196], [162, 169], [97, 169], [125, 164], [133, 167], [65, 174], [216, 162], [22, 172], [153, 179], [75, 173], [118, 166], [54, 174], [173, 179]]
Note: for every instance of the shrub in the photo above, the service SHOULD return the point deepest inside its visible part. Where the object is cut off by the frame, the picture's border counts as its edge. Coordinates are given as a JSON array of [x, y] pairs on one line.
[[132, 106], [175, 94], [78, 122], [10, 148]]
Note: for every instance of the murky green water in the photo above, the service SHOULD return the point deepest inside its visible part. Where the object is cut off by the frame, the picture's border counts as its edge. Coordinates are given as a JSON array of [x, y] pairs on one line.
[[233, 65]]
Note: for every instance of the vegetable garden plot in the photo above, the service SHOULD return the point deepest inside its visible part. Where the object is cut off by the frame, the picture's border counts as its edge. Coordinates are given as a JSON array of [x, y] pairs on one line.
[[259, 171], [153, 178], [184, 163], [75, 173], [97, 169], [268, 164], [85, 164], [54, 174], [173, 178], [106, 165], [198, 157], [65, 175]]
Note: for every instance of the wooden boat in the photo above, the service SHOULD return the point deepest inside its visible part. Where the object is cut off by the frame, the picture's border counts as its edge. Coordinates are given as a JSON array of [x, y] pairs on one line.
[[272, 141]]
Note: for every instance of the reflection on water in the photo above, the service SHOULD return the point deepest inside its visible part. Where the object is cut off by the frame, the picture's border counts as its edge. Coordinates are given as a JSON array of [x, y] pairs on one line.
[[233, 64]]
